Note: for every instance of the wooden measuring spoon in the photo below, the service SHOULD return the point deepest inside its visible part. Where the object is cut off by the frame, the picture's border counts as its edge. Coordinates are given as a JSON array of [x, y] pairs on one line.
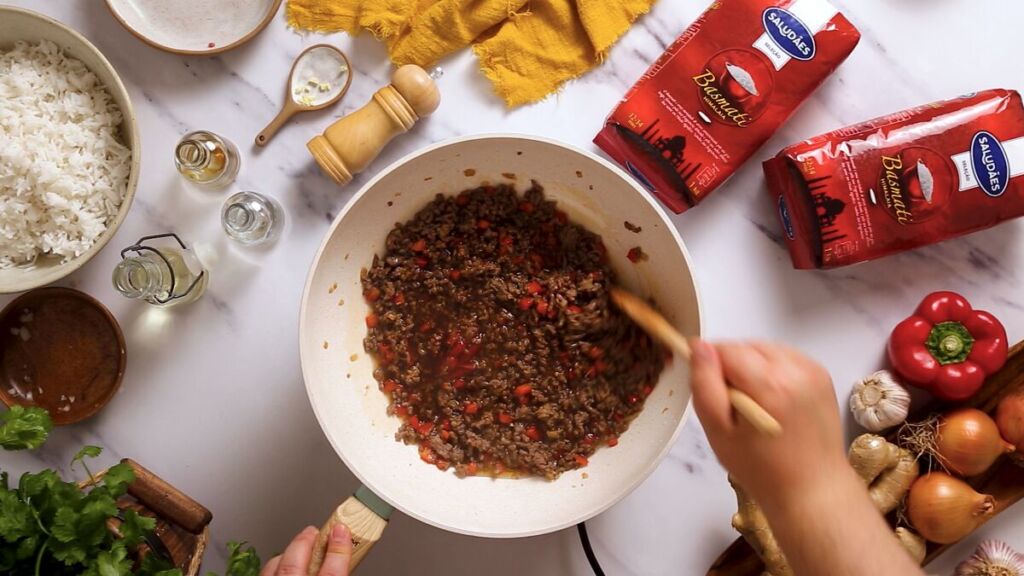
[[319, 78], [657, 326]]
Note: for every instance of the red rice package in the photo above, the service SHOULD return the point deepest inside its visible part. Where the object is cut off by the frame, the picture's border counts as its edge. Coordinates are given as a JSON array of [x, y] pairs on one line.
[[721, 90], [902, 181]]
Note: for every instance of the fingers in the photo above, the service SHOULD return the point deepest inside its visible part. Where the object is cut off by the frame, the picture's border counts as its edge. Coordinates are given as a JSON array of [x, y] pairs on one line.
[[295, 560], [775, 352], [270, 568], [339, 552], [781, 355], [790, 363], [747, 369], [710, 396]]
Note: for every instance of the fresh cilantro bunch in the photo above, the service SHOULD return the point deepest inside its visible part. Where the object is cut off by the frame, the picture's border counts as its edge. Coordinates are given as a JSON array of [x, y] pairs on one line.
[[24, 428], [241, 562], [49, 526], [52, 527]]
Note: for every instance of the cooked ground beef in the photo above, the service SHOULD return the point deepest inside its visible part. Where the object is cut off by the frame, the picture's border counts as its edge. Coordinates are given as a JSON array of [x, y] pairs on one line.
[[495, 338]]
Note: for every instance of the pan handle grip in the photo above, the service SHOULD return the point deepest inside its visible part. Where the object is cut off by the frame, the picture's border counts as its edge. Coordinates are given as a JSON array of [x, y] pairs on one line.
[[366, 516]]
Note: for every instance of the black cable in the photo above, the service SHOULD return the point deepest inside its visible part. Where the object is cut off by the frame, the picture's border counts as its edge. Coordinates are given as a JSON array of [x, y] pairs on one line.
[[588, 550]]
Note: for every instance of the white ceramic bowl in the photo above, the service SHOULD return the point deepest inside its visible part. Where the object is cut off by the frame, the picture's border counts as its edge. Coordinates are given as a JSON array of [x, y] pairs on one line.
[[17, 24], [194, 27], [339, 374]]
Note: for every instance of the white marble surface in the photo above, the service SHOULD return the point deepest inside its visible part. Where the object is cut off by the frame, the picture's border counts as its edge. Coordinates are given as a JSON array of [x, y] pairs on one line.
[[213, 399]]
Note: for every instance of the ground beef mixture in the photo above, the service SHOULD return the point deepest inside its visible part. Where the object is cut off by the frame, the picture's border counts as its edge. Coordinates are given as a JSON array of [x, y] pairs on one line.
[[495, 338]]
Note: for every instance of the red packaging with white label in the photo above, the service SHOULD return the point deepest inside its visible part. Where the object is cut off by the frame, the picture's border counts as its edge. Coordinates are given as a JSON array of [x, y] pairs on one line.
[[902, 181], [721, 90]]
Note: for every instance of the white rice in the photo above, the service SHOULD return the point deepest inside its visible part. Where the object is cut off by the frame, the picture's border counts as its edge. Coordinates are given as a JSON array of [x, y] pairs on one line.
[[63, 169]]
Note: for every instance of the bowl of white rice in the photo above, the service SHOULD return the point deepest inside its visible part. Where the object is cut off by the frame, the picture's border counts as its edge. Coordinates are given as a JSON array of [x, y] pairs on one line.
[[69, 150]]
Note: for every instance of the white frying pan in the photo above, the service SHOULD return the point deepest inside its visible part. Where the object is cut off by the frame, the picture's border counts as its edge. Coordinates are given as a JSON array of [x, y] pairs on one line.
[[339, 374]]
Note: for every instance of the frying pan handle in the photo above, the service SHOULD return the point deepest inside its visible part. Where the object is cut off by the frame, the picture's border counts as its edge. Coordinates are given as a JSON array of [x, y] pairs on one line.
[[366, 516]]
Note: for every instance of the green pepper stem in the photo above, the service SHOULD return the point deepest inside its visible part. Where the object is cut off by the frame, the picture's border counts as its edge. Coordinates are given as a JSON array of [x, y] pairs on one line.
[[949, 343]]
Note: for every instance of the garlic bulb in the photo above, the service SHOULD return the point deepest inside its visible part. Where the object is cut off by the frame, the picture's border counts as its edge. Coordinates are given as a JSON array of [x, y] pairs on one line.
[[992, 558], [879, 402]]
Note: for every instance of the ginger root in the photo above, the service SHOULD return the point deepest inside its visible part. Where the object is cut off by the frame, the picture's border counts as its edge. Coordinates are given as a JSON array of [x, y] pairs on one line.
[[888, 469], [871, 454], [751, 523], [912, 543]]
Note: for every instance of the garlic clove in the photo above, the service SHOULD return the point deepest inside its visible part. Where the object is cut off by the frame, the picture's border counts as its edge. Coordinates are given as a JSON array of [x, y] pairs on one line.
[[879, 401], [992, 558]]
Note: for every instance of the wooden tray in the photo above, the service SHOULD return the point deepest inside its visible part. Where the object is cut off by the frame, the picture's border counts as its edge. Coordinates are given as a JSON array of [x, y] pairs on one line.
[[1004, 481], [183, 525]]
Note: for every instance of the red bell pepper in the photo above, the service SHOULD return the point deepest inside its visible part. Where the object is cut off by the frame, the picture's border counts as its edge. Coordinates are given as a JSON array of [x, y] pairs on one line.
[[947, 347]]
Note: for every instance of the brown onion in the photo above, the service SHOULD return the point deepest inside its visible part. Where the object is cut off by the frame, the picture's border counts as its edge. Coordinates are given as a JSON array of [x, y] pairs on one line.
[[1010, 420], [944, 509], [967, 442]]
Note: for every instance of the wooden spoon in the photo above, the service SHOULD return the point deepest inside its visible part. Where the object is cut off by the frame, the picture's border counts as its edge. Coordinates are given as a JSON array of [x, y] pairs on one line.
[[294, 103], [657, 326]]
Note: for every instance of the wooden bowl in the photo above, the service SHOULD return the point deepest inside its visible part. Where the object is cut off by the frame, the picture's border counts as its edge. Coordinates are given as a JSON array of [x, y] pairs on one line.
[[62, 350], [17, 24], [194, 27]]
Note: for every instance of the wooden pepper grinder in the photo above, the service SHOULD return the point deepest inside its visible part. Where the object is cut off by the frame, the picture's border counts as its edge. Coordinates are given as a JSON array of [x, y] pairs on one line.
[[349, 145]]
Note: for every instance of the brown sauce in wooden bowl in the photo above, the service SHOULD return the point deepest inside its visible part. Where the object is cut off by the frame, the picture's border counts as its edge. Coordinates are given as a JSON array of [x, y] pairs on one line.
[[61, 350]]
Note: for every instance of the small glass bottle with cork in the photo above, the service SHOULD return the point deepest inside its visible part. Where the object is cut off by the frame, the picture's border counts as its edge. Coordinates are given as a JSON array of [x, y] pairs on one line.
[[207, 159]]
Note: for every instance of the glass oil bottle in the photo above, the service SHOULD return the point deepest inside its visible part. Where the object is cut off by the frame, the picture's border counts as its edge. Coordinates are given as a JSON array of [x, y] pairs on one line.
[[164, 275], [207, 159], [251, 218]]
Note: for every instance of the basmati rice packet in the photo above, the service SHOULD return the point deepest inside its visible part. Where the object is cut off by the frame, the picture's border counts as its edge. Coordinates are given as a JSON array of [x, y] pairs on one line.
[[721, 90], [902, 181]]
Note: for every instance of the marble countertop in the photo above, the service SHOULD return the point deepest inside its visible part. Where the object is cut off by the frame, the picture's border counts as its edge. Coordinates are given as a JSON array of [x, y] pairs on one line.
[[213, 399]]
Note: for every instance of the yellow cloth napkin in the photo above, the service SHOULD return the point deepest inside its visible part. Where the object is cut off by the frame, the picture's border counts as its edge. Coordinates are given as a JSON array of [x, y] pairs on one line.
[[527, 48]]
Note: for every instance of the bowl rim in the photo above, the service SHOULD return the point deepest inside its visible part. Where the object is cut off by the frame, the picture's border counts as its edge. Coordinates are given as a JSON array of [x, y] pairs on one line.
[[129, 129], [641, 475], [68, 418], [274, 8]]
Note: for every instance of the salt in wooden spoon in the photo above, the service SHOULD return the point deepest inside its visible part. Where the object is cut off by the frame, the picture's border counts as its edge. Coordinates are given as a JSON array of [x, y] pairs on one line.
[[657, 326], [320, 77]]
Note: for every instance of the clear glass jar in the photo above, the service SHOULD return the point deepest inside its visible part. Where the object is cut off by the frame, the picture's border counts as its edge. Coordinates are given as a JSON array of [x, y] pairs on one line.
[[164, 276], [207, 159], [251, 218]]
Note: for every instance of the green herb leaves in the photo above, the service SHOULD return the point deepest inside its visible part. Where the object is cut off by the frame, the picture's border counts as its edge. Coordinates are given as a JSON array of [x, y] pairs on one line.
[[241, 562], [24, 428], [49, 526], [52, 527]]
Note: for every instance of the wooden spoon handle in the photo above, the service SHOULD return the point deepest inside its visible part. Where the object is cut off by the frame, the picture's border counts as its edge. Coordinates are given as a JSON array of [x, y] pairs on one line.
[[658, 327], [758, 417], [263, 138]]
